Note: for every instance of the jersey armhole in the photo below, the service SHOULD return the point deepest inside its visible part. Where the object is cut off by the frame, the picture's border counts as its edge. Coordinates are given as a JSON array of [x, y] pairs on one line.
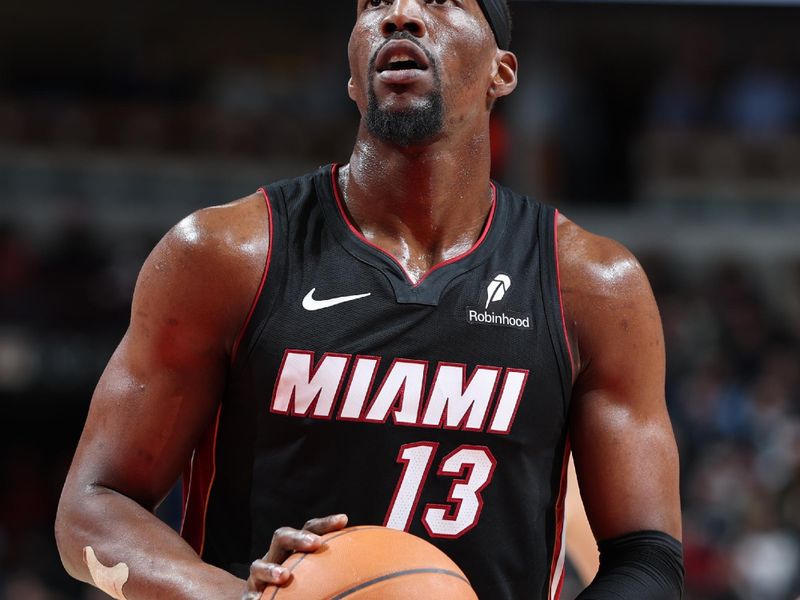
[[558, 559], [257, 297], [571, 365], [200, 474]]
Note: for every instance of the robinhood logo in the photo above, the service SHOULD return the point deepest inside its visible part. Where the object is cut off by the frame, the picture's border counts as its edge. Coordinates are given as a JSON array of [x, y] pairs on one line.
[[495, 293], [497, 289]]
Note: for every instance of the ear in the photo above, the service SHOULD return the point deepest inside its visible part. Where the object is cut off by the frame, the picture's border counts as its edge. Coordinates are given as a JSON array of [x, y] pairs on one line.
[[351, 90], [356, 95], [504, 78]]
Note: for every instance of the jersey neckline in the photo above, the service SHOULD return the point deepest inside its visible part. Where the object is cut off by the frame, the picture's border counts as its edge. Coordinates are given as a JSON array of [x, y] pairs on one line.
[[430, 286]]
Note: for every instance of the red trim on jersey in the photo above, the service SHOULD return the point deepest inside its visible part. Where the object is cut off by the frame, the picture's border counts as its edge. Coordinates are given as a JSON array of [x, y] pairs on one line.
[[561, 298], [556, 570], [211, 480], [238, 341], [187, 478], [354, 230], [199, 475]]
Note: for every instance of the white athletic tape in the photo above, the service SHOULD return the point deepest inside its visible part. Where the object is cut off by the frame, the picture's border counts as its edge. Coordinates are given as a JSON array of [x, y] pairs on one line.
[[107, 579]]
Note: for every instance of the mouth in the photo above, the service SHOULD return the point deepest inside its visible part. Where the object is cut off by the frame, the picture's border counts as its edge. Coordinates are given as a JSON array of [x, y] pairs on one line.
[[402, 64], [401, 56]]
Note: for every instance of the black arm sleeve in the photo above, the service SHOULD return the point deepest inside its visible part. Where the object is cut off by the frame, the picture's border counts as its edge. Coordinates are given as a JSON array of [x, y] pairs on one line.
[[645, 565]]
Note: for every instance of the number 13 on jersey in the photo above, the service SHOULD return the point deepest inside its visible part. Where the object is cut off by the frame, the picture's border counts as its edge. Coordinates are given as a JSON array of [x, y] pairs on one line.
[[471, 468]]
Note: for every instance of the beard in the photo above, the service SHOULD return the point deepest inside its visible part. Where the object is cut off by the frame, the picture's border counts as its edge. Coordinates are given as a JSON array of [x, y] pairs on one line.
[[410, 126], [407, 127]]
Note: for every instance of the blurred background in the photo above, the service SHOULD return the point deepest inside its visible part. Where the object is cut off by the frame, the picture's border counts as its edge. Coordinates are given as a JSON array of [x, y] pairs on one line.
[[673, 128]]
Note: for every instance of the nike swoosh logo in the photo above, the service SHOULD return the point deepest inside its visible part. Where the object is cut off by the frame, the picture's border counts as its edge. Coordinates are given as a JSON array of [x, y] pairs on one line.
[[310, 304]]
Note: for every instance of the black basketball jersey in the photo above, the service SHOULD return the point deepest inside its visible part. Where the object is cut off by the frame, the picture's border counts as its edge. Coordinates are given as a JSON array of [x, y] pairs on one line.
[[439, 408]]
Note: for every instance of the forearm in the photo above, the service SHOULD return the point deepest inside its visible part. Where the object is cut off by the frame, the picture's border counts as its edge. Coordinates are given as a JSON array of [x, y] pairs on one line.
[[638, 566], [157, 563]]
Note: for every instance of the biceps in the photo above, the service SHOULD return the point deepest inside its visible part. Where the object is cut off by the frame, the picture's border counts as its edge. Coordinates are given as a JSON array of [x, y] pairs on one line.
[[627, 465], [144, 420]]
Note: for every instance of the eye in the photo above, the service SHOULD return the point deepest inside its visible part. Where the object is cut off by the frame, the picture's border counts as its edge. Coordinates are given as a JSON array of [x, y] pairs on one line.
[[439, 2]]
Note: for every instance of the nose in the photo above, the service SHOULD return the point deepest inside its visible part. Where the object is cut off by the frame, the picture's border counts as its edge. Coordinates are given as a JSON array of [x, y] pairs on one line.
[[405, 15]]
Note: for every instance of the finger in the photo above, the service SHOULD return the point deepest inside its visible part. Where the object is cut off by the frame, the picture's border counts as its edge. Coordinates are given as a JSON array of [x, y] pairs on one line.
[[286, 541], [326, 524], [263, 573]]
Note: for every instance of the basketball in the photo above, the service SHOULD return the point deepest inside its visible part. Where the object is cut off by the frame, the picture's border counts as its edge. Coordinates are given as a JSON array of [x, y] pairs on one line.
[[373, 563]]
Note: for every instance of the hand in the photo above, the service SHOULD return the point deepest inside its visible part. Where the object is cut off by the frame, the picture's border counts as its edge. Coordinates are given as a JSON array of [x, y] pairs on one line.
[[285, 542]]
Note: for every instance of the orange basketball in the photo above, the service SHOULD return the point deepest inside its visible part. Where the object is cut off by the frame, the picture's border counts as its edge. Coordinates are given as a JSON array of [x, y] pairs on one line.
[[373, 563]]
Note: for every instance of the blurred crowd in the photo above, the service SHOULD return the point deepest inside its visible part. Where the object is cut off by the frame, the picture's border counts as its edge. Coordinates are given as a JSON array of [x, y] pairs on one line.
[[733, 389], [696, 112], [64, 305], [613, 104]]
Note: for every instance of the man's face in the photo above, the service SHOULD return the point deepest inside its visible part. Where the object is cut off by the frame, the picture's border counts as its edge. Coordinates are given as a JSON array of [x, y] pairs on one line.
[[420, 67]]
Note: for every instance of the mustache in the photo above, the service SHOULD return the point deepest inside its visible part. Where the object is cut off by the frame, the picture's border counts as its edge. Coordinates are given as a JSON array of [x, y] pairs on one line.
[[403, 35]]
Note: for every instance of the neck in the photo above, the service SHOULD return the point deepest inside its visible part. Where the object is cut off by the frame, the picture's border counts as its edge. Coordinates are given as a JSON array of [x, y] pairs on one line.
[[424, 205]]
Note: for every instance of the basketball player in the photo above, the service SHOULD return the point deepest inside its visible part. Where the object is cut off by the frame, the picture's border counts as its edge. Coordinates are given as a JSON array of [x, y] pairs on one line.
[[398, 339]]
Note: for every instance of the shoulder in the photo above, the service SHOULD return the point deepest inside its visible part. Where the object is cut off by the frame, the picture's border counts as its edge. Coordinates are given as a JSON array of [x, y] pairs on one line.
[[230, 232], [597, 265], [225, 239], [208, 268], [605, 292]]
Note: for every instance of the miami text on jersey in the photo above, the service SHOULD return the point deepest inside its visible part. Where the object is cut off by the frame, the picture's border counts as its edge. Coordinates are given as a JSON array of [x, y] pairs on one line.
[[456, 399]]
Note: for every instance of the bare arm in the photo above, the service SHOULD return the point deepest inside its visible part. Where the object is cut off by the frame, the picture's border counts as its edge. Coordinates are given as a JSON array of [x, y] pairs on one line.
[[625, 452], [157, 395]]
